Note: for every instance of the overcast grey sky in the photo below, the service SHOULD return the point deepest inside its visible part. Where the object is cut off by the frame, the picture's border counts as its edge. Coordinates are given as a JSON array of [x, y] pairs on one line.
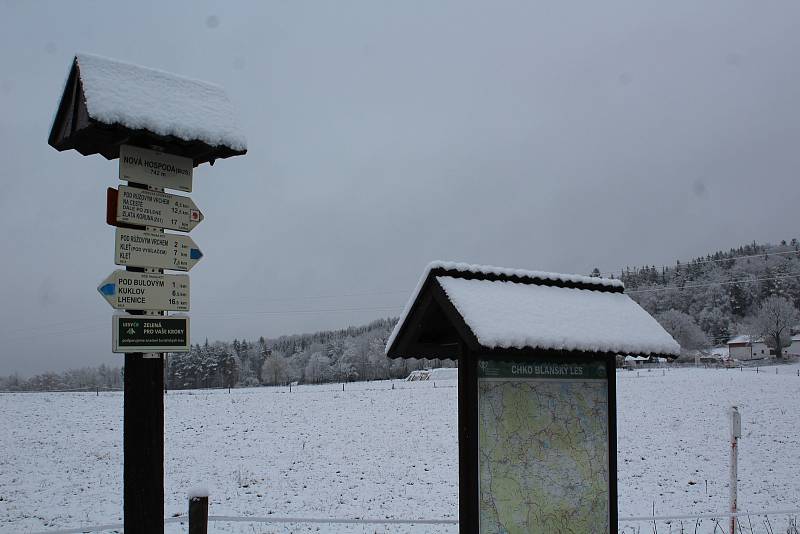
[[383, 135]]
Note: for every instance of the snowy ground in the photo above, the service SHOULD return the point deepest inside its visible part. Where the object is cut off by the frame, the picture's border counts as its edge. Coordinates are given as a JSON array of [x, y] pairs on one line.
[[375, 452]]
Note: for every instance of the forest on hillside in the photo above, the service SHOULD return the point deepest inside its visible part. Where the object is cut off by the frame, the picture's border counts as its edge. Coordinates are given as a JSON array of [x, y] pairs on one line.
[[721, 292], [704, 302]]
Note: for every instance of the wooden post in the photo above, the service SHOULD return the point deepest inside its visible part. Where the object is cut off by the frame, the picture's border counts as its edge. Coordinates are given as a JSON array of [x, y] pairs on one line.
[[143, 442], [467, 442], [143, 431], [198, 515]]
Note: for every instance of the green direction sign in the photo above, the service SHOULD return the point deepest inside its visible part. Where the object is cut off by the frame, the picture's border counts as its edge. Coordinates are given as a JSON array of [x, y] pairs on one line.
[[143, 333], [538, 369]]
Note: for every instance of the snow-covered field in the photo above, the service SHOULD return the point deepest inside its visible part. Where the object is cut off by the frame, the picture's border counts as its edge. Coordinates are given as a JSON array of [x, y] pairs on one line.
[[377, 452]]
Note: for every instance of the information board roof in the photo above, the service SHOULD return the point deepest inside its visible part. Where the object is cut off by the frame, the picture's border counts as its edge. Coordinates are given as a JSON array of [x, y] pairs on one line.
[[493, 308], [108, 102]]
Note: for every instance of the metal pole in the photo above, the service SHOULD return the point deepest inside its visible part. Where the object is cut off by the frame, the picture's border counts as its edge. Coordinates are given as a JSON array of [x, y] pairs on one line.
[[736, 433]]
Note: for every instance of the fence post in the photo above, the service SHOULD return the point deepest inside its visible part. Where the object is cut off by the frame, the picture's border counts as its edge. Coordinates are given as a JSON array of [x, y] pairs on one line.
[[736, 433], [198, 513]]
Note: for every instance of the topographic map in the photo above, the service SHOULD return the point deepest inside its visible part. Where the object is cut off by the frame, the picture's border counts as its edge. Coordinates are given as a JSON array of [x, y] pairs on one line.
[[543, 448]]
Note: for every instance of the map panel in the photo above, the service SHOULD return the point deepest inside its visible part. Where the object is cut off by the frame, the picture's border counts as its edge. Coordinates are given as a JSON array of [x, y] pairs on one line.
[[543, 447]]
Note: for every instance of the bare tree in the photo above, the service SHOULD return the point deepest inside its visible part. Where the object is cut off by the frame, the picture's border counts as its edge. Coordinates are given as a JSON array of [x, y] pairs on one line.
[[684, 329], [274, 369], [774, 321]]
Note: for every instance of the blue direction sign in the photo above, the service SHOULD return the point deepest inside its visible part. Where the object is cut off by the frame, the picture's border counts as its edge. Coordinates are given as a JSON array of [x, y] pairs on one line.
[[127, 290]]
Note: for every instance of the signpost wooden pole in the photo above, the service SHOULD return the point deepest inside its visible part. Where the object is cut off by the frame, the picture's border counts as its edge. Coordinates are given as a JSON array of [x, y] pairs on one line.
[[143, 433], [143, 439]]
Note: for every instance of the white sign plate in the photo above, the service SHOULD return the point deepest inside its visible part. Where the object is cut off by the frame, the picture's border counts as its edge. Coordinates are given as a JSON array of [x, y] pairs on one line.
[[151, 208], [126, 290], [155, 250], [154, 168]]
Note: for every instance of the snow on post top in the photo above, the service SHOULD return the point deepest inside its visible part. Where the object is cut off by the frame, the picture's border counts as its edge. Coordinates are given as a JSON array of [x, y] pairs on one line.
[[157, 101], [198, 492]]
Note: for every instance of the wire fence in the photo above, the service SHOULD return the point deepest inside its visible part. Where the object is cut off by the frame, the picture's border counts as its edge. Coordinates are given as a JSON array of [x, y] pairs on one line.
[[762, 522], [758, 522]]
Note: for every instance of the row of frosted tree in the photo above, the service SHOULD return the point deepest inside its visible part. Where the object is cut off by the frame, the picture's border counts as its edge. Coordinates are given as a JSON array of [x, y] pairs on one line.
[[347, 355], [350, 354], [102, 377], [753, 289]]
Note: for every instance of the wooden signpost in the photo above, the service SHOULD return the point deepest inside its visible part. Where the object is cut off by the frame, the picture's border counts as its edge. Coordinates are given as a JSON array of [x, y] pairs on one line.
[[160, 126]]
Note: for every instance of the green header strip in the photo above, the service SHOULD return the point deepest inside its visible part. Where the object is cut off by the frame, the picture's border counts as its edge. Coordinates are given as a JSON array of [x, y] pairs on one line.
[[542, 369]]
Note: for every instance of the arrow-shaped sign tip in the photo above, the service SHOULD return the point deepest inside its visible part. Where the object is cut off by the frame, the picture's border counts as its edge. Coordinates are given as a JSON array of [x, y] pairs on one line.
[[109, 289], [195, 253]]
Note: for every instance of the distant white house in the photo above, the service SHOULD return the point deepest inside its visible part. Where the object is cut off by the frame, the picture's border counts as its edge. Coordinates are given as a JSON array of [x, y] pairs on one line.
[[794, 348], [441, 373], [745, 347], [635, 361], [644, 361], [721, 353]]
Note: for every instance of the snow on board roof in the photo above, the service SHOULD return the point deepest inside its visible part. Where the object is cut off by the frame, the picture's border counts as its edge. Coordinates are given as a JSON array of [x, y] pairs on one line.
[[742, 338], [619, 338], [505, 314], [163, 103], [489, 269]]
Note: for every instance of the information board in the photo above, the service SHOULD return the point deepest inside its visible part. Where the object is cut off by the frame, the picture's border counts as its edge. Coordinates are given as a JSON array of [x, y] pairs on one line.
[[143, 333], [543, 447]]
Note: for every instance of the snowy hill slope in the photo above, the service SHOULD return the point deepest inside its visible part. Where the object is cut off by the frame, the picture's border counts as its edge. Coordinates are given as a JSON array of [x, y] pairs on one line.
[[373, 451]]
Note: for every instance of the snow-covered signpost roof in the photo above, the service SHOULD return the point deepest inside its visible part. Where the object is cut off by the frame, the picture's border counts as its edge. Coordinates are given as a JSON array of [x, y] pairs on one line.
[[536, 358], [107, 103], [496, 309]]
